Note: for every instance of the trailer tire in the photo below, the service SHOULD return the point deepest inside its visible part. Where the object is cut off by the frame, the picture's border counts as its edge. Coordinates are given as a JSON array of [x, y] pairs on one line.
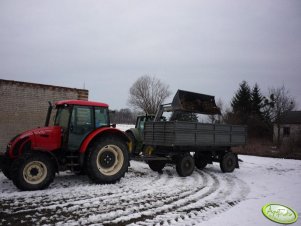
[[200, 161], [185, 165], [156, 165], [108, 161], [34, 171], [228, 162]]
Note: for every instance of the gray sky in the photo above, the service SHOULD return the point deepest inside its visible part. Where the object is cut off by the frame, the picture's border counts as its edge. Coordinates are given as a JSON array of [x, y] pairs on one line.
[[201, 46]]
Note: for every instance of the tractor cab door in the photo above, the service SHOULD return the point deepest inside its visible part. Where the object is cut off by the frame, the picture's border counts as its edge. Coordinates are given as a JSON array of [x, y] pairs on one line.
[[84, 120], [81, 124]]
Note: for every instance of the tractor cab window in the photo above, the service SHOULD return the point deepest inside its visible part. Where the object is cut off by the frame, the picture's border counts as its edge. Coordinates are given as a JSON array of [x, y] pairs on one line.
[[81, 124], [101, 117], [62, 117], [141, 121], [81, 120]]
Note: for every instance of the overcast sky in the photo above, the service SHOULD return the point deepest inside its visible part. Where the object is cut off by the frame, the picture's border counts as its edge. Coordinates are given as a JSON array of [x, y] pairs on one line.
[[105, 46]]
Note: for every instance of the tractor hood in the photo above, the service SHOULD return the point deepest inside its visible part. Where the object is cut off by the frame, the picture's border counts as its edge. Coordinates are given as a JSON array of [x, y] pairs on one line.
[[194, 102], [44, 139], [36, 131]]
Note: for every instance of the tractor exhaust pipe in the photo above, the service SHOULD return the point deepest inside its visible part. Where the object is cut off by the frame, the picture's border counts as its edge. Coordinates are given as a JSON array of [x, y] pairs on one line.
[[48, 114]]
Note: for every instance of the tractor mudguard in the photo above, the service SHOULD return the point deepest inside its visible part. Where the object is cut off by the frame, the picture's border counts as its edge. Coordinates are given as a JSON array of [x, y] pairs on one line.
[[137, 134], [104, 131]]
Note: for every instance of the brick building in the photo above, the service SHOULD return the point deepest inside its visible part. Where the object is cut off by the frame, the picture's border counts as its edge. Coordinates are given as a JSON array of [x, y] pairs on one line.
[[24, 105]]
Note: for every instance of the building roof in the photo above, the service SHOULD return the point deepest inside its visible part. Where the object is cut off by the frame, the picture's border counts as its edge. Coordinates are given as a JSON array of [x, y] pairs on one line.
[[82, 103], [291, 117], [19, 83]]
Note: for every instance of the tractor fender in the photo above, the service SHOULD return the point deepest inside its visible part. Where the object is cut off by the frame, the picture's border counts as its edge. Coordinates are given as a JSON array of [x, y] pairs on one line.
[[102, 132], [136, 133]]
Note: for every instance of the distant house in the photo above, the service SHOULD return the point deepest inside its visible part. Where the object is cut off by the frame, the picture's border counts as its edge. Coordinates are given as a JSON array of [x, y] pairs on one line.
[[290, 126]]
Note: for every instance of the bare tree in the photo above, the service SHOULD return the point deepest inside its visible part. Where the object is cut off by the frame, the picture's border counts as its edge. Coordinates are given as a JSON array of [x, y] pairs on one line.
[[281, 102], [147, 93]]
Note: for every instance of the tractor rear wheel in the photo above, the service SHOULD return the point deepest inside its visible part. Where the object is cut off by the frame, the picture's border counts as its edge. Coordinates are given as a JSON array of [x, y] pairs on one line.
[[156, 165], [185, 165], [228, 162], [32, 171], [108, 161]]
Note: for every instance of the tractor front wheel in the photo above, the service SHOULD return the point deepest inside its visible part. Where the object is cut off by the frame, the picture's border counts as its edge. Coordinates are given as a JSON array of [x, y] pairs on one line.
[[32, 171], [108, 161]]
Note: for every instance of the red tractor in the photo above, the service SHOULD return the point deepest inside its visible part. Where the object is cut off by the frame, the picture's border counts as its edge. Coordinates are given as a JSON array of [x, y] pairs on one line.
[[80, 139]]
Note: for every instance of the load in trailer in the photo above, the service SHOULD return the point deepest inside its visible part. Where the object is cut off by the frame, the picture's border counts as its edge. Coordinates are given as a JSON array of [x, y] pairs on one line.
[[158, 141], [80, 139]]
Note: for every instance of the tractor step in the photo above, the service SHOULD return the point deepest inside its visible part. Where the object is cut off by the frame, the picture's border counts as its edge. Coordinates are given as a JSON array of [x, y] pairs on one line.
[[73, 164], [72, 157]]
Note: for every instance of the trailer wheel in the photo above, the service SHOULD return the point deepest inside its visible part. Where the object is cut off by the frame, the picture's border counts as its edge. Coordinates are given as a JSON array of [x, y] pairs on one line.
[[228, 162], [33, 171], [108, 161], [156, 165], [200, 161], [185, 165]]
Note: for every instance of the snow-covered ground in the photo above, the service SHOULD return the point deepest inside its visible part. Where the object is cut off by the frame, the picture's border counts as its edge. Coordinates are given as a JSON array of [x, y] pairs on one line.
[[143, 197]]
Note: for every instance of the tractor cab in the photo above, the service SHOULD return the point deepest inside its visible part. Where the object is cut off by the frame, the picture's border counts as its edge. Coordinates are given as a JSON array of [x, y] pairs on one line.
[[78, 119], [141, 121]]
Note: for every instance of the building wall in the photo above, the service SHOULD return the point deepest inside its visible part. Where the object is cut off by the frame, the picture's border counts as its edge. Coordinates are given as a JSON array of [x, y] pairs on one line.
[[24, 106], [295, 130]]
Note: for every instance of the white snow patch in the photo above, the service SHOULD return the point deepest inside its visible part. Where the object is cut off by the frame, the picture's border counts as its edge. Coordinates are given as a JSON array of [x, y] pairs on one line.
[[207, 197]]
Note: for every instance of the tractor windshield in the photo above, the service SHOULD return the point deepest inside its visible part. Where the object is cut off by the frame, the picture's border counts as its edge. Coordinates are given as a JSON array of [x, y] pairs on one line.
[[62, 117]]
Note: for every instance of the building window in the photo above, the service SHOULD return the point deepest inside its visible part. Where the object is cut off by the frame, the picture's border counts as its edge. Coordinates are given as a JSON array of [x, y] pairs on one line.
[[286, 131]]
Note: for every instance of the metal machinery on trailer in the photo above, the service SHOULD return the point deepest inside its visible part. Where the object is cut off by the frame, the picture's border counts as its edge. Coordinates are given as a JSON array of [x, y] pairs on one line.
[[81, 139], [158, 141]]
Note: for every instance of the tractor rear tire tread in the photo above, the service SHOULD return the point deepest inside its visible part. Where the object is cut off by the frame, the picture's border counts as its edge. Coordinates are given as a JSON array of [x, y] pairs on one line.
[[91, 166]]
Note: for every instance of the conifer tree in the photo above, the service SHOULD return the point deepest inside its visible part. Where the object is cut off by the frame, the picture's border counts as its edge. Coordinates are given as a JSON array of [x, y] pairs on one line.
[[257, 102], [242, 102]]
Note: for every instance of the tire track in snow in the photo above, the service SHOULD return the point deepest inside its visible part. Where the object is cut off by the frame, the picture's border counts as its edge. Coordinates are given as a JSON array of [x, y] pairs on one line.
[[142, 197]]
